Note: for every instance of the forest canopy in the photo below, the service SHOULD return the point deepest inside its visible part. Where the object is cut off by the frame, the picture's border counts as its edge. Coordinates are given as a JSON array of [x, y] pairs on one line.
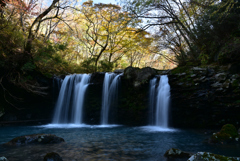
[[62, 36]]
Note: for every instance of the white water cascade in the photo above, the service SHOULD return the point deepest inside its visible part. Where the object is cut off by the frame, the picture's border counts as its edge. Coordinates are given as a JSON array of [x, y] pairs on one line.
[[159, 101], [152, 100], [109, 95], [71, 99]]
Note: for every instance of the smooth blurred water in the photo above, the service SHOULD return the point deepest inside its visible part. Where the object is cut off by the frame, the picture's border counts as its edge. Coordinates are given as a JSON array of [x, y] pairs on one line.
[[109, 95], [85, 142]]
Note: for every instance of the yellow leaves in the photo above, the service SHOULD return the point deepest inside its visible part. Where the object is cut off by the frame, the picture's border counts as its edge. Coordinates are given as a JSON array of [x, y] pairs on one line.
[[88, 3]]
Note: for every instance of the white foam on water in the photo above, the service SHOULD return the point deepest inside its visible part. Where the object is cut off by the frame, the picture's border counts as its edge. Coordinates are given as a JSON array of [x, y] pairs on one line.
[[157, 129], [77, 126], [65, 126]]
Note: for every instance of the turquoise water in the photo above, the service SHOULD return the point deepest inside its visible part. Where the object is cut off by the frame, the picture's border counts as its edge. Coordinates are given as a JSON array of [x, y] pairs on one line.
[[108, 143]]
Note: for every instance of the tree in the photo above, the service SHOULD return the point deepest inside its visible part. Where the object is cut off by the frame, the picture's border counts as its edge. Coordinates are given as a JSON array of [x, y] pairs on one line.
[[105, 28]]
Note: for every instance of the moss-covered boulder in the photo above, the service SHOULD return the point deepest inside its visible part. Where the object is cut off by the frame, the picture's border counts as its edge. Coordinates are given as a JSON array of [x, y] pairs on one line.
[[203, 156], [34, 139], [227, 134], [52, 157], [176, 153]]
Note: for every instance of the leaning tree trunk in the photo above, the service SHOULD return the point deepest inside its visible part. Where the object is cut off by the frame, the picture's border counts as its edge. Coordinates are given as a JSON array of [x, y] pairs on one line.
[[38, 21]]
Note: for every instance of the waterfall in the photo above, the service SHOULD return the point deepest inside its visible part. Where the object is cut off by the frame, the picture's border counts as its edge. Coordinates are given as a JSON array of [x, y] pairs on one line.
[[109, 95], [152, 100], [71, 99], [159, 101]]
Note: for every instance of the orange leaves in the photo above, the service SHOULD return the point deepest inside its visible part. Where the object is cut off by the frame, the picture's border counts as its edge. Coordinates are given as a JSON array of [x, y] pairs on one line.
[[23, 6]]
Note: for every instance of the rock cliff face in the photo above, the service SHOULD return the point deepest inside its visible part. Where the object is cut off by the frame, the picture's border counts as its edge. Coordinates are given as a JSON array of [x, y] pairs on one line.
[[20, 107], [204, 97]]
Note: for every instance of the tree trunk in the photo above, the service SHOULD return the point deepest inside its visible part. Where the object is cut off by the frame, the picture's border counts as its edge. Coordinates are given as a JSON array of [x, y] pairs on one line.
[[28, 46]]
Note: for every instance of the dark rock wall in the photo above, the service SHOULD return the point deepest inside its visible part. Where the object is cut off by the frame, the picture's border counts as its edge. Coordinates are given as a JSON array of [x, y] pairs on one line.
[[21, 107], [204, 98]]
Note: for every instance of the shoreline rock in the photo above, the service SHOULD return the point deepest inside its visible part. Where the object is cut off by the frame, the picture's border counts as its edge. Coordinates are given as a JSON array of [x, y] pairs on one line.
[[228, 134], [203, 156]]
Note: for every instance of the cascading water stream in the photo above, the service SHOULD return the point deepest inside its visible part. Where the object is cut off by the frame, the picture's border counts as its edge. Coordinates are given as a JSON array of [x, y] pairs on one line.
[[110, 95], [162, 105], [159, 101], [152, 100], [71, 99], [79, 96]]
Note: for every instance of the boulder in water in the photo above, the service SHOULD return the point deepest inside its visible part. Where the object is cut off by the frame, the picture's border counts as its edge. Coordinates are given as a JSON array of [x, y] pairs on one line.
[[3, 159], [52, 157], [203, 156], [35, 139], [227, 134], [176, 153]]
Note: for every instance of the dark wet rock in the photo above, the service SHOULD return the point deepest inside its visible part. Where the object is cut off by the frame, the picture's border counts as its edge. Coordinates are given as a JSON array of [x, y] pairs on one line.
[[62, 76], [226, 84], [52, 157], [163, 72], [203, 156], [220, 77], [228, 134], [3, 159], [217, 85], [176, 153], [1, 112], [180, 74], [118, 71], [204, 97], [138, 76], [210, 72], [97, 78], [198, 69], [131, 73], [35, 139], [234, 68]]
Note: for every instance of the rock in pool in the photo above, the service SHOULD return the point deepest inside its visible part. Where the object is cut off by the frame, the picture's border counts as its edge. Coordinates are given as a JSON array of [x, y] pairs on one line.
[[52, 157], [35, 139]]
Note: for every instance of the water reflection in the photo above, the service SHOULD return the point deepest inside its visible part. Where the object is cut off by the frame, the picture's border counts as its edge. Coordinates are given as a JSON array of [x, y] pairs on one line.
[[99, 143]]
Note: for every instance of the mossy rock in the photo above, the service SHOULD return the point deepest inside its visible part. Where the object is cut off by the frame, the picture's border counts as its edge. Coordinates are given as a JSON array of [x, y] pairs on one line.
[[235, 83], [178, 70], [203, 156], [34, 139], [52, 157], [227, 134], [229, 129]]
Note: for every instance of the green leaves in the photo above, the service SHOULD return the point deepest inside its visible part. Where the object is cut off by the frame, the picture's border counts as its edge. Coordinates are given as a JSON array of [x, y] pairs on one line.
[[29, 66]]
